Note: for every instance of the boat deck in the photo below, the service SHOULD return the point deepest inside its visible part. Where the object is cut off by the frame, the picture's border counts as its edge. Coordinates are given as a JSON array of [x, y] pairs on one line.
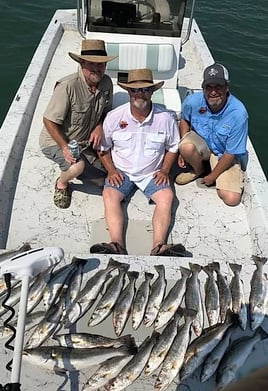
[[210, 230], [201, 221]]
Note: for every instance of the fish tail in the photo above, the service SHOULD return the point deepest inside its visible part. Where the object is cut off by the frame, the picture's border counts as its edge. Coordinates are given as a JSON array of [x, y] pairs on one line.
[[81, 261], [261, 332], [231, 317], [124, 267], [235, 267], [160, 269], [189, 313], [195, 267], [216, 266], [25, 247], [259, 260], [133, 275], [130, 343], [113, 264], [155, 336], [209, 269], [148, 276], [185, 271]]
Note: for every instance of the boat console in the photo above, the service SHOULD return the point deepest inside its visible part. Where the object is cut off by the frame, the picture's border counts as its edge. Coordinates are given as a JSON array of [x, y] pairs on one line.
[[141, 34], [146, 17]]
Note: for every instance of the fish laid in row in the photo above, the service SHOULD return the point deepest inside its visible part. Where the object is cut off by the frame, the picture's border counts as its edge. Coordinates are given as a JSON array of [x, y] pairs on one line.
[[175, 357], [73, 359], [258, 297]]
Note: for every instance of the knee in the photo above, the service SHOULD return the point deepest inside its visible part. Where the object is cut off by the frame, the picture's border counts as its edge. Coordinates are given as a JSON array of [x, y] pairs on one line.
[[111, 196], [187, 149], [163, 198], [229, 198]]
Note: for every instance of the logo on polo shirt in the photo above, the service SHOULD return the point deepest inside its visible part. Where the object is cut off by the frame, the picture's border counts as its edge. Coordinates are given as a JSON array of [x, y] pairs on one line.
[[202, 110], [123, 124]]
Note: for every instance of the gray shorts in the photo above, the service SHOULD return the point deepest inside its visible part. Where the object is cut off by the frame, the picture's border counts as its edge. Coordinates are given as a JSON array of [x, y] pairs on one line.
[[54, 153]]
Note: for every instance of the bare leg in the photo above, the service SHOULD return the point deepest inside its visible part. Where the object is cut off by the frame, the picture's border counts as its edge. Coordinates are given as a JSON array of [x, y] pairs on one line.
[[193, 157], [74, 171], [162, 215], [113, 214], [229, 198]]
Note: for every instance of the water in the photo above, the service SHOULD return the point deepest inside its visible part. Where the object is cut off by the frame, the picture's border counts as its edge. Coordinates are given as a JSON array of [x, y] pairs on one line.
[[236, 32]]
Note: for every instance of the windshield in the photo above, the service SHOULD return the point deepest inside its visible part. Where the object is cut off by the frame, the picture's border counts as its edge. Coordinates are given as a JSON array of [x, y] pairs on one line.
[[145, 17]]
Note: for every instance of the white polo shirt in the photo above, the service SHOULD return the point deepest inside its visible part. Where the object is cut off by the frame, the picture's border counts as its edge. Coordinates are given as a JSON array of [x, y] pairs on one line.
[[138, 149]]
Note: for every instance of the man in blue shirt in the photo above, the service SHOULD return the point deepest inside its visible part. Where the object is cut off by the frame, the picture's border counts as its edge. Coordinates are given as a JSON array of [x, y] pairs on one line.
[[214, 127]]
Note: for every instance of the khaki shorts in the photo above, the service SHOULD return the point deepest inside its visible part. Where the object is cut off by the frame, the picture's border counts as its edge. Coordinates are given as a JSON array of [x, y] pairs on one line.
[[231, 179]]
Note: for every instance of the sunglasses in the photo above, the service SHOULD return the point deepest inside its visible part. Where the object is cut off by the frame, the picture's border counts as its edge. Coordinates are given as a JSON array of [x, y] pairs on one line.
[[142, 89]]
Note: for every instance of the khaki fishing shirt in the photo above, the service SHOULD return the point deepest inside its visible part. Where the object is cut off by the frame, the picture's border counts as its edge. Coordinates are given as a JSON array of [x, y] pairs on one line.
[[76, 109]]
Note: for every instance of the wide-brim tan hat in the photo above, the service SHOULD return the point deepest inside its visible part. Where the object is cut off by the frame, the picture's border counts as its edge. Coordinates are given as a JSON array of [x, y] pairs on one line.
[[139, 78], [92, 50]]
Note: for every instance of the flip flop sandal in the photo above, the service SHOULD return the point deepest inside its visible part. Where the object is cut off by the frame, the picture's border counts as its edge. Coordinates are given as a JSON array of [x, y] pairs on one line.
[[108, 248], [172, 250]]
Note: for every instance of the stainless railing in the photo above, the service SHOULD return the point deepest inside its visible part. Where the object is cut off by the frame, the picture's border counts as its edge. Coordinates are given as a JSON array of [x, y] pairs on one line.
[[81, 17], [189, 28]]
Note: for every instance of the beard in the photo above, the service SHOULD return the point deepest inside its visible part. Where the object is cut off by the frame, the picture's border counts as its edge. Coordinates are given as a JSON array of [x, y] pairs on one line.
[[216, 103], [141, 104], [95, 78]]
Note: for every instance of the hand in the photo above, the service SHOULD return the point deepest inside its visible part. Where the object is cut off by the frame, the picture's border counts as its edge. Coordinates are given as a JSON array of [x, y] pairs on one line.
[[161, 178], [95, 136], [68, 155], [208, 180], [181, 162], [115, 178]]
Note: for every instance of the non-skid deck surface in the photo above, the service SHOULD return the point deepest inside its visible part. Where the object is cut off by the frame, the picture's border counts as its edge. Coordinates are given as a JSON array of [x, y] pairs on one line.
[[201, 222]]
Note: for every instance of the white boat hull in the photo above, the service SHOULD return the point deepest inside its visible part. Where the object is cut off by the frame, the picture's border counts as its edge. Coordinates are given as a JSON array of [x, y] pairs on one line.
[[208, 228]]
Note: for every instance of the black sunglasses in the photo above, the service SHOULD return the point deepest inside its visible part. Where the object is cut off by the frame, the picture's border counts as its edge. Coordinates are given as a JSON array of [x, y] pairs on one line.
[[142, 89]]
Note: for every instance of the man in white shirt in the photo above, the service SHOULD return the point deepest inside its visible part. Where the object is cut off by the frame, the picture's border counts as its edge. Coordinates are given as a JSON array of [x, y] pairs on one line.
[[138, 149]]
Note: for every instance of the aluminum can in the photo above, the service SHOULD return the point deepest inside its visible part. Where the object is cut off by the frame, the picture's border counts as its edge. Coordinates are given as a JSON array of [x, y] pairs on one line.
[[74, 149]]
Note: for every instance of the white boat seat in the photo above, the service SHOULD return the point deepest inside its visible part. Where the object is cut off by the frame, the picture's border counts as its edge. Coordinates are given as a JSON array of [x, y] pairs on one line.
[[159, 58]]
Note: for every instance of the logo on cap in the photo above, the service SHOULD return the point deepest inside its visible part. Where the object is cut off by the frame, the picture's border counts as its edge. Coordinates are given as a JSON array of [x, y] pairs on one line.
[[213, 72]]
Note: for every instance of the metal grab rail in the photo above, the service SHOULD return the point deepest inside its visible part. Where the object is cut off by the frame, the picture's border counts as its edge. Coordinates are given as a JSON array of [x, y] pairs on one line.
[[189, 28], [81, 18]]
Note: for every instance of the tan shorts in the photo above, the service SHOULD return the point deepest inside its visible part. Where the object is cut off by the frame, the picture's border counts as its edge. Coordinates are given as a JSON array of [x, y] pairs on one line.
[[231, 179]]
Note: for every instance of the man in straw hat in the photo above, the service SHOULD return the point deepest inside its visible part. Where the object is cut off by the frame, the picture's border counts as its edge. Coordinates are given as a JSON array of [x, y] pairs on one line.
[[76, 111], [138, 149]]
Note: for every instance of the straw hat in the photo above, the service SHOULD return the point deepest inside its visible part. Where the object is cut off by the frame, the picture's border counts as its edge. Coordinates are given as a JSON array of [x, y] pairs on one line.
[[139, 78], [92, 50]]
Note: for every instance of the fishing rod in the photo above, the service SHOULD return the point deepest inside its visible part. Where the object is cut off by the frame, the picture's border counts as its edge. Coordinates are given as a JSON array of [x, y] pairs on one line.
[[23, 266]]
